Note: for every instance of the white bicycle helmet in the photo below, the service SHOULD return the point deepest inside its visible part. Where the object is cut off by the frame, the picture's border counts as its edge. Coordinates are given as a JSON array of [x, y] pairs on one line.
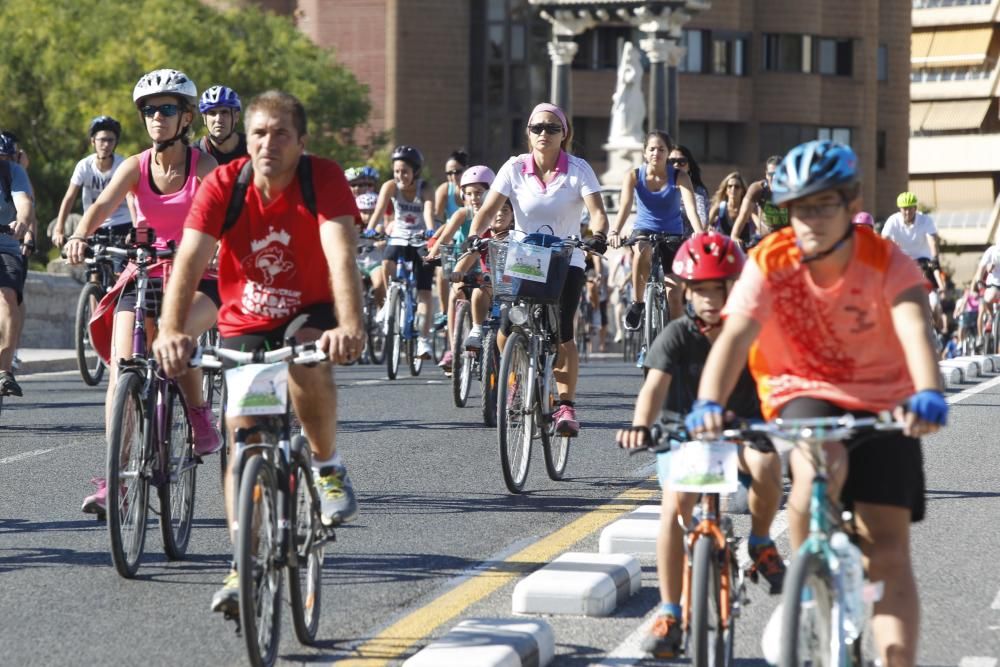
[[165, 82]]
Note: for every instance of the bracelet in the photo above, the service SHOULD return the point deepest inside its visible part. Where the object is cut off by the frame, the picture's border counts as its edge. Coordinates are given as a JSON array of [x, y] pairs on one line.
[[76, 237], [613, 231]]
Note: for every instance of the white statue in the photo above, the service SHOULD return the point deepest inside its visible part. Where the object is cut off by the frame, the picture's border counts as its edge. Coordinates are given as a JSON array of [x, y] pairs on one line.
[[628, 107]]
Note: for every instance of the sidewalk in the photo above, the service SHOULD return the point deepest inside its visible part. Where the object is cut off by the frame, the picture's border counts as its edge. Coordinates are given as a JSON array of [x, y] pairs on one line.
[[43, 360]]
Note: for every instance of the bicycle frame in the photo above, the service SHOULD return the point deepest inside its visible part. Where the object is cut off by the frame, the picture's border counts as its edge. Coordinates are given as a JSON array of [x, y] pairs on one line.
[[406, 280], [715, 527]]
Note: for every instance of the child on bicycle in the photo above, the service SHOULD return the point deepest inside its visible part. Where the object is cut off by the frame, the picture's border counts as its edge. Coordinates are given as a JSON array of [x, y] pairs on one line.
[[707, 263], [834, 319]]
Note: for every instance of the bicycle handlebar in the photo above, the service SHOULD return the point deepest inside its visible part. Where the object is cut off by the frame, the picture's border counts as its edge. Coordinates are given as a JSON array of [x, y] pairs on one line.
[[213, 357]]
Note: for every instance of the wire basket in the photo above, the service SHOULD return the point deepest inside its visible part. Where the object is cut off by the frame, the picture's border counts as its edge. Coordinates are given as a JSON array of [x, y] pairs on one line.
[[508, 287]]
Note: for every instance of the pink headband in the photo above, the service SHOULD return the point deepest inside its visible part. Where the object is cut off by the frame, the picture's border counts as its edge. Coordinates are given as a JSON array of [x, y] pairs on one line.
[[553, 109]]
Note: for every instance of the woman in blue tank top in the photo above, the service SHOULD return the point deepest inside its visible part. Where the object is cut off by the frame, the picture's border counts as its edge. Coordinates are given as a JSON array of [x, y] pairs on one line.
[[658, 189], [447, 201]]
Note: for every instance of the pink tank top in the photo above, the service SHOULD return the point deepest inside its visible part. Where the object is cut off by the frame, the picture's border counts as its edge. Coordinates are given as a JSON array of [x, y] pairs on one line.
[[164, 213]]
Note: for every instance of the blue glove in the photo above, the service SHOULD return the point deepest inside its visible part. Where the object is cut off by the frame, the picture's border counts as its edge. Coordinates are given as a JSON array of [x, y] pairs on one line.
[[699, 410], [429, 233], [929, 405], [370, 233]]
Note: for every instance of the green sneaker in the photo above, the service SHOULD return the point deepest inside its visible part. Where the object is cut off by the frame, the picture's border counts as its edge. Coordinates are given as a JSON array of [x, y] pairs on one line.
[[336, 494], [227, 598]]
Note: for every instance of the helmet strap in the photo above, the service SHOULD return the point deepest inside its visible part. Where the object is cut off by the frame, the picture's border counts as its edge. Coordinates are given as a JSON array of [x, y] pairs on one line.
[[829, 251]]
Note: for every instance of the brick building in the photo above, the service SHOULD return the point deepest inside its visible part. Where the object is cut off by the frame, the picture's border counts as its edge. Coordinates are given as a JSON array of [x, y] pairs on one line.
[[758, 77]]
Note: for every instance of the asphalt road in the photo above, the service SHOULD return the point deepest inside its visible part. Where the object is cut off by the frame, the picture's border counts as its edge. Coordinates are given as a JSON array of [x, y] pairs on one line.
[[434, 516]]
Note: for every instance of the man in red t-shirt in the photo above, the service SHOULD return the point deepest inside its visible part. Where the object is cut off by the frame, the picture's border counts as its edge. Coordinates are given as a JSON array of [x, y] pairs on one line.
[[282, 269]]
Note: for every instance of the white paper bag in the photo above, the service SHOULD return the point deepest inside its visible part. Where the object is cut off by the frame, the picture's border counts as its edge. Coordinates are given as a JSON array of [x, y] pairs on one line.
[[257, 389]]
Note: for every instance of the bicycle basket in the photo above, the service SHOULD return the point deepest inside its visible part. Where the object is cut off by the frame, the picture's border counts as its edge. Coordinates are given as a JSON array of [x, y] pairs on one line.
[[534, 269]]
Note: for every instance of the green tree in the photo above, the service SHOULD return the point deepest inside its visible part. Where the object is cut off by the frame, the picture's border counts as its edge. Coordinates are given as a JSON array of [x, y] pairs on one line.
[[63, 63]]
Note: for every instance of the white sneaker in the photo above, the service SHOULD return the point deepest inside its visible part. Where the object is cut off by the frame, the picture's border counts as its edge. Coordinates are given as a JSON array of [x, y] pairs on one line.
[[380, 315], [424, 349]]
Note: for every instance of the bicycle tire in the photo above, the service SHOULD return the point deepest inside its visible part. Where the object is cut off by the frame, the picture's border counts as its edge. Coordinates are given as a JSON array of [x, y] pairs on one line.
[[90, 296], [514, 427], [260, 578], [461, 359], [439, 343], [177, 490], [554, 446], [706, 643], [305, 592], [376, 334], [393, 339], [126, 515], [808, 622], [224, 433], [489, 373]]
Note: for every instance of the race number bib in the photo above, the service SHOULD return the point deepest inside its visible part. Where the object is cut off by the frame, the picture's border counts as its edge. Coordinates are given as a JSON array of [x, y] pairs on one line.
[[528, 262], [704, 467], [257, 389]]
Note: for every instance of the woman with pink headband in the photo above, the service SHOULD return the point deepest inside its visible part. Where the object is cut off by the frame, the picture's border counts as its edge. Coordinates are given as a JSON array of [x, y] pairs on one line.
[[549, 189]]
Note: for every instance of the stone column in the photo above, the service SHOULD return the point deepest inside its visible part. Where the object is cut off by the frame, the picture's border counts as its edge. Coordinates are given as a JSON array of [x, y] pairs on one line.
[[657, 49], [675, 54], [566, 25], [662, 47]]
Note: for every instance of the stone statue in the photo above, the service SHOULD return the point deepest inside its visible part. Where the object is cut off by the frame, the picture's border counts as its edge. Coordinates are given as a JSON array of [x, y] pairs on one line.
[[628, 107]]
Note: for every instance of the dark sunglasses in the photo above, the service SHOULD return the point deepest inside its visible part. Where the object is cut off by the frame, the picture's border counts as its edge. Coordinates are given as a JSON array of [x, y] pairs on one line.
[[547, 128], [166, 110], [679, 161], [454, 172]]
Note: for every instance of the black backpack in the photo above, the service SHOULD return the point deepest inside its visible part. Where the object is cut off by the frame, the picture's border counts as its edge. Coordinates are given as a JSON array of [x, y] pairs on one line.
[[6, 180], [239, 194]]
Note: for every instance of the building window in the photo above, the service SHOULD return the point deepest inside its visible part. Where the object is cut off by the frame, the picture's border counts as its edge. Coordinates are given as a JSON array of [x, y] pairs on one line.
[[842, 135], [834, 56], [710, 142], [779, 138], [882, 64], [715, 52], [694, 56], [601, 46], [787, 53], [880, 149]]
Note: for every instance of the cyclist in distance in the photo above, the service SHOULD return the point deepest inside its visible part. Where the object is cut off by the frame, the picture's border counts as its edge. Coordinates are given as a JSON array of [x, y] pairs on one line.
[[283, 270], [549, 189], [162, 180], [916, 235], [834, 320], [220, 110], [759, 208], [91, 175]]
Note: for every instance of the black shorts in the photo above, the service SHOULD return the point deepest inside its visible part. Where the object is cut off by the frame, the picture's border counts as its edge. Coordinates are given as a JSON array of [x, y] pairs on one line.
[[423, 272], [668, 248], [884, 469], [317, 316], [13, 273], [154, 295]]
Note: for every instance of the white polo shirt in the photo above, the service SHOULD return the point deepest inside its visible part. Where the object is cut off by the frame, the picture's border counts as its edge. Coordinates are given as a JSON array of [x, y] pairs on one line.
[[553, 208], [911, 239], [991, 262]]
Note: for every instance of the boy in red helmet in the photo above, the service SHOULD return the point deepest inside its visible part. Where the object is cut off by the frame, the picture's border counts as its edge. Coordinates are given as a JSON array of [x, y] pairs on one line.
[[708, 263]]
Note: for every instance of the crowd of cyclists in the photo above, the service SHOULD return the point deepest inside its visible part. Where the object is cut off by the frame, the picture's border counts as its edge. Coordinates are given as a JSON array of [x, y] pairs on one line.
[[783, 299]]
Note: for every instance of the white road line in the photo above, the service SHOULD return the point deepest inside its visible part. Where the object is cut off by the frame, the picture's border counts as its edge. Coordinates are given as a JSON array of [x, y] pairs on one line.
[[977, 661], [25, 455], [972, 391], [996, 602]]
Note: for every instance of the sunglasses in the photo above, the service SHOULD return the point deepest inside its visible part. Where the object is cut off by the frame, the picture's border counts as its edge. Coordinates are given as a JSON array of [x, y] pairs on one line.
[[547, 128], [166, 110], [679, 161], [454, 172]]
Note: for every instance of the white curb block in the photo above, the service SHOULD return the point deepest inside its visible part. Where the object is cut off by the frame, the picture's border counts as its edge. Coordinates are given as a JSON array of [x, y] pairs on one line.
[[950, 376], [582, 584], [490, 642], [988, 363], [969, 368], [635, 534]]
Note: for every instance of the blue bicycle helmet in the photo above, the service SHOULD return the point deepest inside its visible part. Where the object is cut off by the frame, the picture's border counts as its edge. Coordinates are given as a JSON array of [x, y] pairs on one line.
[[105, 123], [813, 167], [8, 143], [369, 172], [219, 96]]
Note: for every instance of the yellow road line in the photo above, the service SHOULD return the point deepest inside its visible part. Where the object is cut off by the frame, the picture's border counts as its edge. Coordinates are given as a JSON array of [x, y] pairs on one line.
[[393, 642]]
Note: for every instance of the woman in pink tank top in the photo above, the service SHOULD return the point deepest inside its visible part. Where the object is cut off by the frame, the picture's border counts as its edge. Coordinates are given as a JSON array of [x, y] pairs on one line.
[[161, 181]]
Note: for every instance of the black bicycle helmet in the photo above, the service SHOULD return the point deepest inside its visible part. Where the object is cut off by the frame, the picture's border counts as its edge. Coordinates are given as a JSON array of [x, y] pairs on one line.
[[410, 156], [106, 123]]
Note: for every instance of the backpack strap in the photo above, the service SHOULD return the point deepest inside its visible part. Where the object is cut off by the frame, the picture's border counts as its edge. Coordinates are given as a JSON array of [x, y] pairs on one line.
[[305, 174], [238, 196], [7, 180]]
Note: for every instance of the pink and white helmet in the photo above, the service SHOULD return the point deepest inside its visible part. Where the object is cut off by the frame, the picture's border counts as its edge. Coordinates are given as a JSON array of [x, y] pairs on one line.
[[864, 219], [477, 174]]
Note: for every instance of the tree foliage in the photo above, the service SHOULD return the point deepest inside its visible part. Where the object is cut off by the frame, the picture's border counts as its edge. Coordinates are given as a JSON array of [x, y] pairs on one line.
[[63, 63]]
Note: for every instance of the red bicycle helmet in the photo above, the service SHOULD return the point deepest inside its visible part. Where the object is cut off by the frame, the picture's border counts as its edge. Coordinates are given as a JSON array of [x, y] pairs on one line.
[[708, 256]]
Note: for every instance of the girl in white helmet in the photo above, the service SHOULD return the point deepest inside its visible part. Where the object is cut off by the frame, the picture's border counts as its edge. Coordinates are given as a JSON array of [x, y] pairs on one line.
[[162, 180]]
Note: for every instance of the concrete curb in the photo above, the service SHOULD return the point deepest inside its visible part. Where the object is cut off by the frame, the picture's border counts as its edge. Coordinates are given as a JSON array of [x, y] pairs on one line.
[[490, 642], [52, 364], [970, 369], [582, 584], [634, 534]]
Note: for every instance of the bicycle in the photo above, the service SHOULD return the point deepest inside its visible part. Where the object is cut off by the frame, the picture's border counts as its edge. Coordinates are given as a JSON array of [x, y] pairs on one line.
[[584, 323], [213, 388], [656, 314], [526, 394], [375, 334], [102, 272], [150, 440], [466, 363], [403, 325], [277, 505]]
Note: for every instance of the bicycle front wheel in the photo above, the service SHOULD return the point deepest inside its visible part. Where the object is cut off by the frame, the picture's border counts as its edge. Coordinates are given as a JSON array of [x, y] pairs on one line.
[[461, 360], [256, 553], [653, 320], [127, 477], [91, 370], [489, 372], [376, 335], [808, 614], [393, 338], [514, 413], [176, 490], [707, 640], [305, 577]]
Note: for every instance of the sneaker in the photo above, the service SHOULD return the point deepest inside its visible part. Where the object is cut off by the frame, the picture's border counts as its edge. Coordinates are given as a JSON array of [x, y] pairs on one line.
[[768, 564], [8, 385], [97, 502], [474, 341], [440, 320], [566, 423], [336, 494], [446, 360], [424, 349], [619, 336], [664, 638], [206, 435], [381, 313], [227, 598], [633, 317]]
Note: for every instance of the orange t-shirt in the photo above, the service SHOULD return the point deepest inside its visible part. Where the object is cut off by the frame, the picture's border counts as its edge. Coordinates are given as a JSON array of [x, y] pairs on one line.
[[836, 343]]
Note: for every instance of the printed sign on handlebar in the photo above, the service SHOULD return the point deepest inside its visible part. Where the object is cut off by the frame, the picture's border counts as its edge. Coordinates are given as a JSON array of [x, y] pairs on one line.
[[257, 389], [528, 262], [705, 467]]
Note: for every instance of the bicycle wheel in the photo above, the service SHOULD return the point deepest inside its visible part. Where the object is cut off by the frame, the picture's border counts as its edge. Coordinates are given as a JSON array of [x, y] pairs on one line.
[[461, 360], [176, 490], [706, 642], [808, 614], [376, 335], [256, 552], [128, 480], [224, 432], [305, 577], [90, 371], [416, 363], [555, 447], [439, 343], [490, 364], [514, 413], [652, 322], [393, 337]]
